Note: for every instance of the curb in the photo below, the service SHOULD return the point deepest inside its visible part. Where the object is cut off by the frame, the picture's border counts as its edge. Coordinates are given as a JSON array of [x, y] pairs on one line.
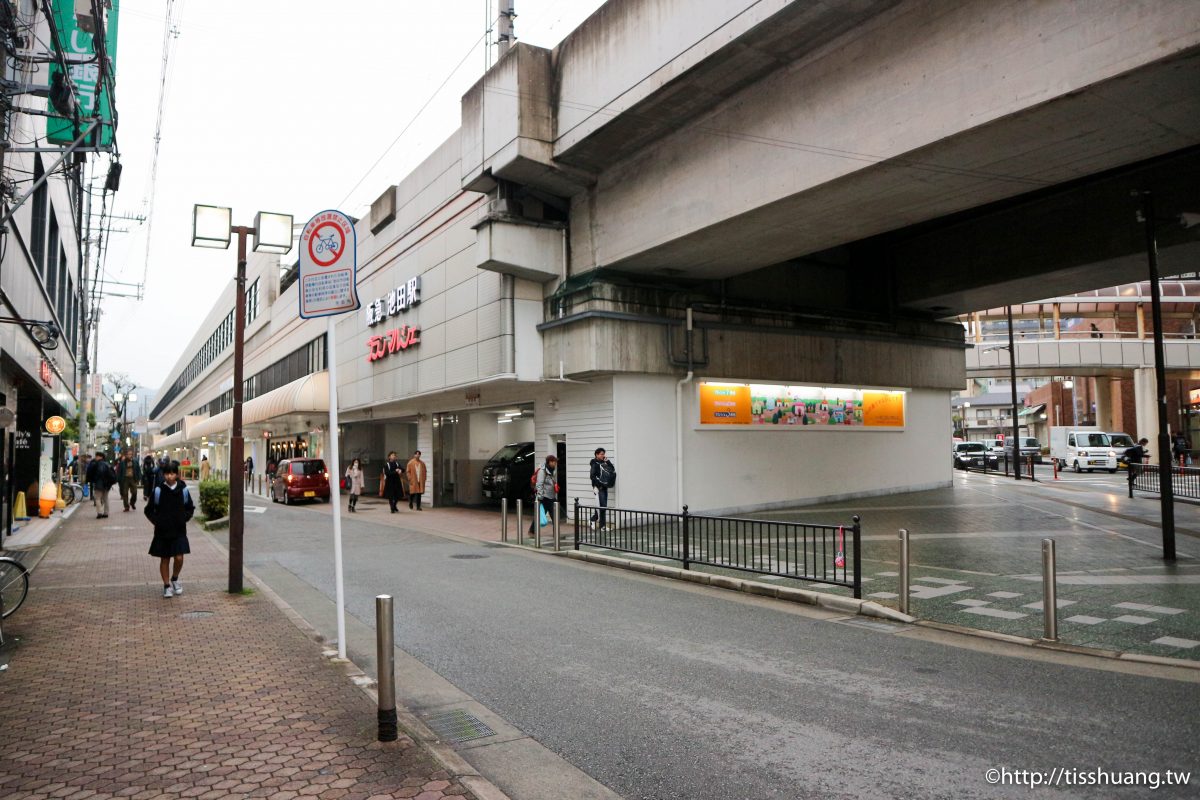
[[846, 605], [443, 754]]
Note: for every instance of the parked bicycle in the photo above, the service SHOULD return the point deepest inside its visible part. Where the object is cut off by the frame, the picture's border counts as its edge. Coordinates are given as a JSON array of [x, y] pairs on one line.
[[14, 585]]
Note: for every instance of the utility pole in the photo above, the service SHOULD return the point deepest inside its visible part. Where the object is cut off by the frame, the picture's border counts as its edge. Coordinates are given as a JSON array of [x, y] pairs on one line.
[[1016, 422], [505, 36]]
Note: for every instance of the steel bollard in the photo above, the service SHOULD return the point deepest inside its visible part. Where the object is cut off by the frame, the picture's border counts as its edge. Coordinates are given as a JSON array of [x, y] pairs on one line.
[[385, 658], [1049, 591], [537, 523], [557, 508], [903, 571], [504, 519], [520, 526]]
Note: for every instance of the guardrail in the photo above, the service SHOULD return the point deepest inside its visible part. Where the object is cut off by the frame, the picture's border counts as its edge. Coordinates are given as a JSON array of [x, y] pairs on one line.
[[829, 554], [1185, 481]]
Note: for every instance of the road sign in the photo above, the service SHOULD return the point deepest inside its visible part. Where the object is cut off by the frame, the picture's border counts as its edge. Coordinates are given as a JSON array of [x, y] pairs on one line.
[[56, 425], [328, 266]]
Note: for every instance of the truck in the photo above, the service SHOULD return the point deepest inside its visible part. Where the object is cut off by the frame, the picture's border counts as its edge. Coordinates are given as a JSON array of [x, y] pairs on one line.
[[1081, 447]]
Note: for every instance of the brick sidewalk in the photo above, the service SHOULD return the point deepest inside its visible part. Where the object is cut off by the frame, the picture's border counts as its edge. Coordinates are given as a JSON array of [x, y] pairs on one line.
[[114, 691]]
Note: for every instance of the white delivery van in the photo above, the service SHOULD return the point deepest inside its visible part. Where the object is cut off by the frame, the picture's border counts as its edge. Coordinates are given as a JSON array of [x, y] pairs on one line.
[[1081, 447]]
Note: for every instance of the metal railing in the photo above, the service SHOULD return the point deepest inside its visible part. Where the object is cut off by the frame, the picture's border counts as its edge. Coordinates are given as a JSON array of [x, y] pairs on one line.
[[1185, 481], [1003, 466], [829, 554]]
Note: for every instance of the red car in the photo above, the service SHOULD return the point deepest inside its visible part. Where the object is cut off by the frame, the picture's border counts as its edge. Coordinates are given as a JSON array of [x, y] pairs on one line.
[[300, 479]]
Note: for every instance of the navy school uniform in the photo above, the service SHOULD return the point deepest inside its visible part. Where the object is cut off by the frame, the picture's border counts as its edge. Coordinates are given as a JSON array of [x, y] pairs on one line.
[[170, 509]]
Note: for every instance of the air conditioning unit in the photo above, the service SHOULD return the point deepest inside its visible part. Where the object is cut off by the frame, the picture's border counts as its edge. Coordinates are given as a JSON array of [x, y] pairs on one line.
[[83, 15]]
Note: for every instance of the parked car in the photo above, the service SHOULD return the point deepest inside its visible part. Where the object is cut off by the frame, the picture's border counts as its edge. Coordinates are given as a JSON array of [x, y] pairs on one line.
[[300, 479], [1030, 448], [974, 454], [1120, 443], [508, 472]]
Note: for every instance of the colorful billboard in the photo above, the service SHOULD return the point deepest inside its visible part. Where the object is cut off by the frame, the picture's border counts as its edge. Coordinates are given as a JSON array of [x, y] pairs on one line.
[[80, 53], [798, 407]]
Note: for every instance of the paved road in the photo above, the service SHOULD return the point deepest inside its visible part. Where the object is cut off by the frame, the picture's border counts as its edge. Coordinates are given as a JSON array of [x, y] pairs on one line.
[[666, 690]]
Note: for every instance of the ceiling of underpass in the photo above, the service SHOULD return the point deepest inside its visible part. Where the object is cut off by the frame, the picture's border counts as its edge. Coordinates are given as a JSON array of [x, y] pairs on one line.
[[961, 239]]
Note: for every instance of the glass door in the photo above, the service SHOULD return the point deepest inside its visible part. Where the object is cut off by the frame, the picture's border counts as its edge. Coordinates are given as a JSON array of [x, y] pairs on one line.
[[445, 460]]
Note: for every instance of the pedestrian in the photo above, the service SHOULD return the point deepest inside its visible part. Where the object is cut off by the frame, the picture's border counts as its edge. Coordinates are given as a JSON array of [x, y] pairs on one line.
[[354, 482], [1180, 448], [545, 491], [271, 468], [391, 476], [205, 468], [249, 470], [415, 471], [1096, 334], [147, 476], [100, 478], [129, 478], [161, 470], [604, 477], [170, 508], [1137, 453]]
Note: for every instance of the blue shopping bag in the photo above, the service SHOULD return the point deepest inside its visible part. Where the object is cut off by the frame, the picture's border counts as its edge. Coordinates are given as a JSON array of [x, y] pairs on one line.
[[543, 519]]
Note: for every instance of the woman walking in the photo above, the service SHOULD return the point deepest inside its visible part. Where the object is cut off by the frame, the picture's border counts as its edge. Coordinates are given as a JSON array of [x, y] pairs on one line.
[[354, 475], [170, 508]]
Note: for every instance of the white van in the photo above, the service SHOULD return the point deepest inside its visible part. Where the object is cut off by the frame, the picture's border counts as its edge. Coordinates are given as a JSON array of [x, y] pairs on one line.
[[1082, 448]]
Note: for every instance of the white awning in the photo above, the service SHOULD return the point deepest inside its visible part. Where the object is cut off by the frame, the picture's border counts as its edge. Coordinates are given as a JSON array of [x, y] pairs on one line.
[[307, 395], [170, 440]]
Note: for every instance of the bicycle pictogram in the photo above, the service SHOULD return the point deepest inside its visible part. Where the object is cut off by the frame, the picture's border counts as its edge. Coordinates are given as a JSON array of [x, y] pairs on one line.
[[329, 243]]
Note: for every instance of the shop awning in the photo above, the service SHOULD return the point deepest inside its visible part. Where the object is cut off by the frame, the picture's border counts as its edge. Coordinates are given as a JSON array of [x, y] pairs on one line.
[[170, 440], [1031, 410], [307, 395]]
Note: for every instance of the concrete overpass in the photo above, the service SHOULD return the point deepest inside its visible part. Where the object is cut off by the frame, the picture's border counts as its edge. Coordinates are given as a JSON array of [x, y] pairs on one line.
[[895, 157]]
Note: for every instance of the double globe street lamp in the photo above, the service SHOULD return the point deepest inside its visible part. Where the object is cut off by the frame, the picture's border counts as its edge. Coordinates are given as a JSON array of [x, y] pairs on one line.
[[212, 226]]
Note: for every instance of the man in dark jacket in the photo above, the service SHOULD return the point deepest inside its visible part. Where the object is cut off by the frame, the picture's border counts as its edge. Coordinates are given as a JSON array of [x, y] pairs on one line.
[[147, 476], [129, 478], [100, 478], [392, 470], [604, 477]]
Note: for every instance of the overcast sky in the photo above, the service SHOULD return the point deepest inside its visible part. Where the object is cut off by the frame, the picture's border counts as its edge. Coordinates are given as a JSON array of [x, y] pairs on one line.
[[274, 105]]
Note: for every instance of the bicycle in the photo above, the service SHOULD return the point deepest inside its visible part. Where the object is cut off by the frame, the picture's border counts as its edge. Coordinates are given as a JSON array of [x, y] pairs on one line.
[[14, 585]]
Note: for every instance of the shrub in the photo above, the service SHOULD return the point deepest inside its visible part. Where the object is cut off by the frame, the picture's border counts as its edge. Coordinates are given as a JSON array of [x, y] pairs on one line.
[[214, 499]]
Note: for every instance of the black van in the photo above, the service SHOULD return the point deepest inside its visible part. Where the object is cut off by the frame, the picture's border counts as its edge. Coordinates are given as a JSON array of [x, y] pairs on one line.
[[507, 474]]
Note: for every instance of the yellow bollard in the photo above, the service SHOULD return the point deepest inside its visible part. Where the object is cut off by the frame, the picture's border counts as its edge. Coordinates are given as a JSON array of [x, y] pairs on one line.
[[19, 511]]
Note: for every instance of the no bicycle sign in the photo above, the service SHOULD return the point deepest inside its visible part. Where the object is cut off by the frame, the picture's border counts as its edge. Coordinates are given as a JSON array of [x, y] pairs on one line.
[[328, 266]]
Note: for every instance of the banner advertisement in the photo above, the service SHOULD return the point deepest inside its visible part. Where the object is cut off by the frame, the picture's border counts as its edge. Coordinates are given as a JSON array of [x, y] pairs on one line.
[[769, 405], [84, 70]]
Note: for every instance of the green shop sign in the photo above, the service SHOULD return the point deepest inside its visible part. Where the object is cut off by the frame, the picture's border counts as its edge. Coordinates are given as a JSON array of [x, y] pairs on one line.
[[94, 99]]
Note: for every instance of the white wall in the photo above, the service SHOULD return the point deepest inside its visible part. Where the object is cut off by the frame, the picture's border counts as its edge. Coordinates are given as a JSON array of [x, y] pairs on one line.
[[767, 468], [583, 413]]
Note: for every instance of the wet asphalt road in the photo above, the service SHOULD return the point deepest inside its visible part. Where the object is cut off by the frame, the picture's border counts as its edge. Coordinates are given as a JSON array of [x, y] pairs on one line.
[[661, 690]]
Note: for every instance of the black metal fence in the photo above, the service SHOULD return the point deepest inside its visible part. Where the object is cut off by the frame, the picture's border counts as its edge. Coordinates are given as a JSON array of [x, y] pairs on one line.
[[829, 554], [1185, 481], [1002, 466]]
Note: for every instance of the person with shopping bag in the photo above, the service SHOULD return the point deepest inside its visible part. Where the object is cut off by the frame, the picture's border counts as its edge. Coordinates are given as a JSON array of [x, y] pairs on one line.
[[545, 492]]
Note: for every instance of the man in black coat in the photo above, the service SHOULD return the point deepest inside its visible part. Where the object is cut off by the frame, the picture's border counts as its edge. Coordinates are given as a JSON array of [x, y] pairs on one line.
[[392, 470], [604, 477], [100, 477]]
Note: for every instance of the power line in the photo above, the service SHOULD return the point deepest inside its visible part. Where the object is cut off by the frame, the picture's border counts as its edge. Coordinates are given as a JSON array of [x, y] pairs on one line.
[[170, 32], [415, 117]]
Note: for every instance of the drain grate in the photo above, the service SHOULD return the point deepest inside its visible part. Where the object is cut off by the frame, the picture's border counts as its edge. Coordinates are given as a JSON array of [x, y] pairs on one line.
[[196, 614], [468, 555], [458, 726], [870, 624]]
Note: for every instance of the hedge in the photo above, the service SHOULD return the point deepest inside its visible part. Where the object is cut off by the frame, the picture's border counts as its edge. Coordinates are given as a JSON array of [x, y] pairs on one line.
[[214, 499]]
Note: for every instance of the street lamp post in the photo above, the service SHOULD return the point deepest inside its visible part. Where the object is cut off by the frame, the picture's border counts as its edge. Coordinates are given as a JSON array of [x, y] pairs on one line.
[[212, 227]]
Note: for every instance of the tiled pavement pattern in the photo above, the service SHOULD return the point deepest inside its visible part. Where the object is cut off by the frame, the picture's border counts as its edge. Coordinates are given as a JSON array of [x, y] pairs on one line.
[[113, 691], [976, 562]]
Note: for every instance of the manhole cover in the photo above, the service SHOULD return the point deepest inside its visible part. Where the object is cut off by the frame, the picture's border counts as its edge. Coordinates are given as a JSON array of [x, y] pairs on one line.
[[196, 614], [859, 622], [468, 555], [458, 726]]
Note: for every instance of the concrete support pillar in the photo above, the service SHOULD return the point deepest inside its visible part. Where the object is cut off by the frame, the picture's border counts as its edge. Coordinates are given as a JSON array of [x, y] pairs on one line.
[[1104, 407], [1141, 323], [978, 328], [1144, 397], [1057, 321]]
